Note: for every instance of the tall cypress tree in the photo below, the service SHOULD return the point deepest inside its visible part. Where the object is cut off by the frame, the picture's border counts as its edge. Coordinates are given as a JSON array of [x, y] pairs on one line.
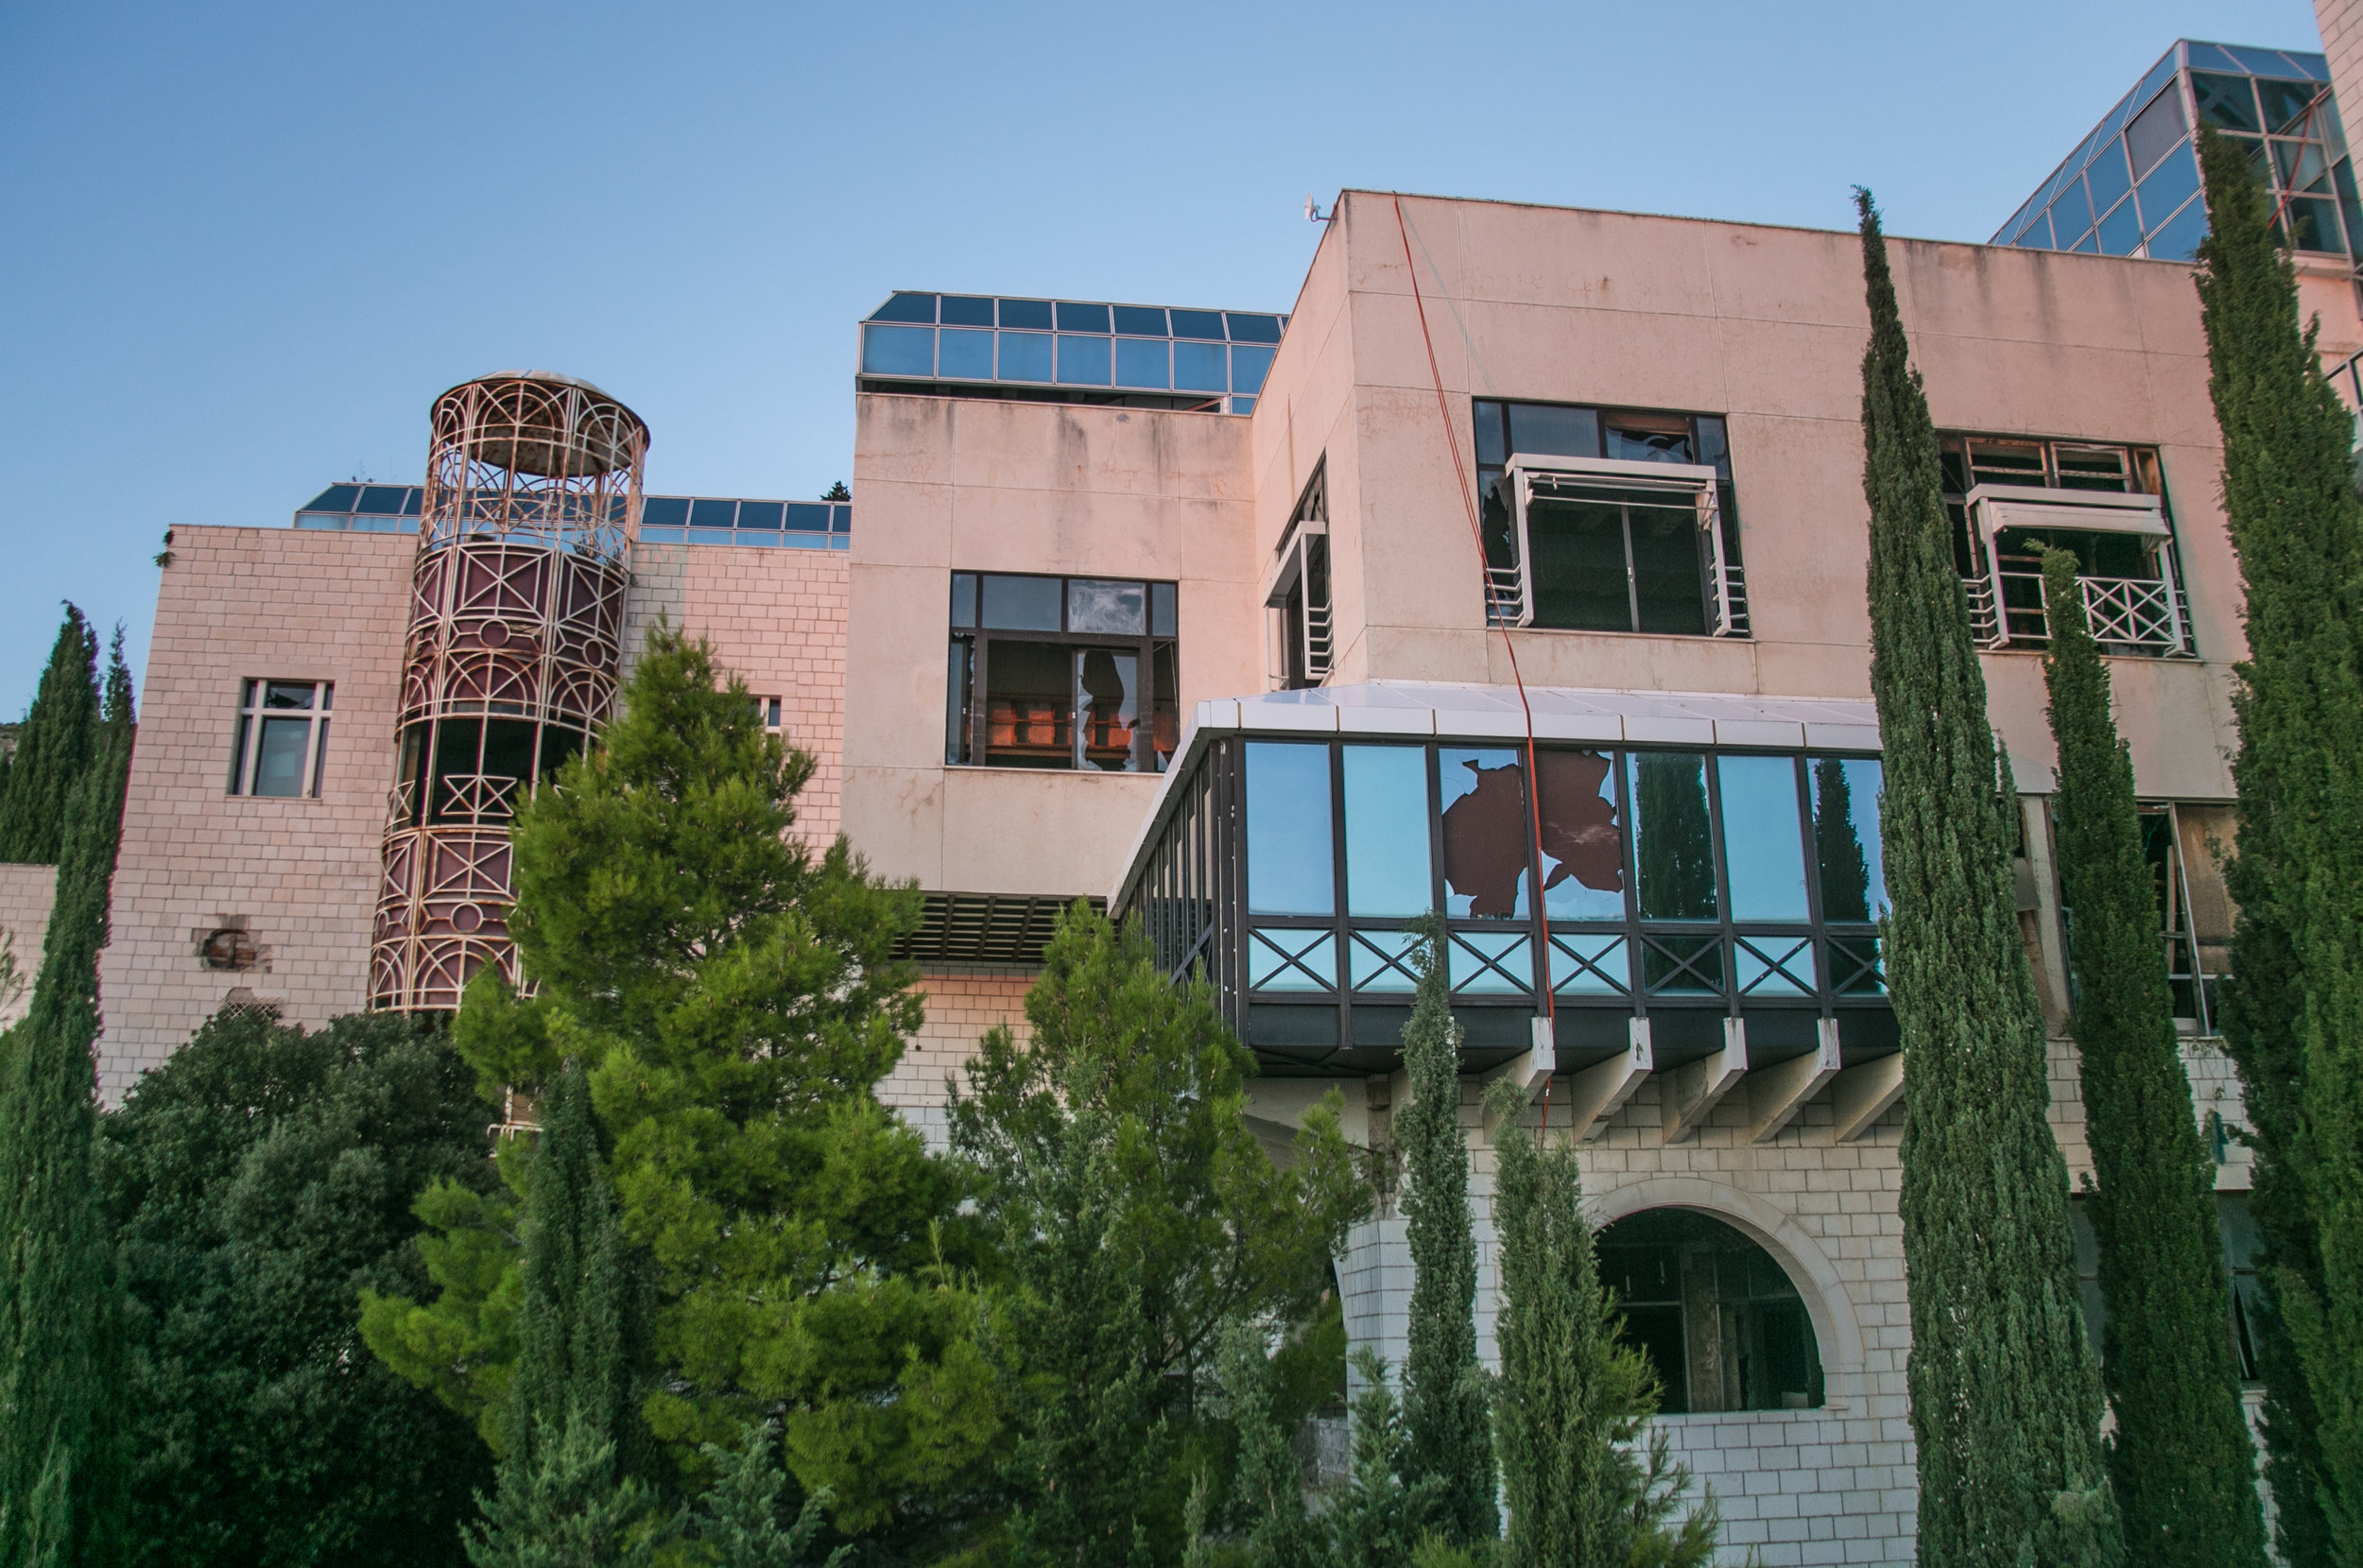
[[2181, 1462], [2294, 1022], [2005, 1401], [61, 1464], [54, 748], [1443, 1388]]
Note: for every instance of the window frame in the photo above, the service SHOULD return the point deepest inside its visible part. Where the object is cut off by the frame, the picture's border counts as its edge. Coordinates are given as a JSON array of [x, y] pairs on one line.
[[254, 713], [969, 665], [1301, 591]]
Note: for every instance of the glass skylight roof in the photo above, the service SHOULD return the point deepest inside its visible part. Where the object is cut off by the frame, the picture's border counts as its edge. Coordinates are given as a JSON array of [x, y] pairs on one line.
[[1086, 347], [2131, 188], [664, 519]]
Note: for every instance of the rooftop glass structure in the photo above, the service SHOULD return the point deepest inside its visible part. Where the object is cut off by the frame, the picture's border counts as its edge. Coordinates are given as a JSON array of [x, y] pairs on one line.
[[664, 519], [2131, 188], [1069, 350]]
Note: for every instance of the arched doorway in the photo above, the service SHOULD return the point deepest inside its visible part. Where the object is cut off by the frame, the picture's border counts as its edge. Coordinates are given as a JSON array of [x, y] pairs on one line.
[[1716, 1315]]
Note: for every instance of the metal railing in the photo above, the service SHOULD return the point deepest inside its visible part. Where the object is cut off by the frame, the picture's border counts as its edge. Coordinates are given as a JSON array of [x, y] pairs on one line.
[[2126, 614]]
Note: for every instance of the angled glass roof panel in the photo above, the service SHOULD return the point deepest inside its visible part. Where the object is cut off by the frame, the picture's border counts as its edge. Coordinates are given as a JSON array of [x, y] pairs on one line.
[[2260, 62], [335, 498], [1078, 343], [1030, 315], [760, 515], [966, 310], [1252, 329], [1081, 317], [907, 307], [1198, 323], [381, 500], [2209, 57], [1142, 321], [664, 511], [804, 517], [2313, 66], [412, 501]]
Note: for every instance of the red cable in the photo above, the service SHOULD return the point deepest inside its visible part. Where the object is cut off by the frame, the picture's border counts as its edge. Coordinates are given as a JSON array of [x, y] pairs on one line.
[[1477, 533]]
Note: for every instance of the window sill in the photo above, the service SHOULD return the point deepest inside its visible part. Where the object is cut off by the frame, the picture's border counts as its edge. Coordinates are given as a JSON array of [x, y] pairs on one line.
[[1047, 772], [1661, 636]]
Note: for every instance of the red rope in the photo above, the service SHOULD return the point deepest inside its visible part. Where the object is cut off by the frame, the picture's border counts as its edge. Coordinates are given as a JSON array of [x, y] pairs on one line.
[[1476, 533]]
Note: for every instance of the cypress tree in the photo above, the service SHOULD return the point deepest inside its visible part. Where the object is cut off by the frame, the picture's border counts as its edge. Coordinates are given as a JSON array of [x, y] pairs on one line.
[[2006, 1402], [54, 748], [2181, 1461], [62, 1475], [2294, 1022], [1443, 1388]]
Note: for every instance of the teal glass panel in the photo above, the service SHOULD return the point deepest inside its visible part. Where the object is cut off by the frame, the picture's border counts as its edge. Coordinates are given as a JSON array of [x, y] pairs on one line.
[[1142, 362], [1386, 837], [1763, 841], [1200, 368], [1673, 844], [965, 354], [898, 351], [1846, 838], [1291, 961], [1491, 963], [1774, 966], [1487, 827], [1587, 963], [2165, 189], [1380, 961], [1288, 865], [1025, 357]]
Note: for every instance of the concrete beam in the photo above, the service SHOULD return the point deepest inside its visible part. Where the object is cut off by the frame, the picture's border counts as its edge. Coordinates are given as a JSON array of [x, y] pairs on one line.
[[1598, 1092], [1777, 1093], [1692, 1092], [1861, 1095], [1529, 1072]]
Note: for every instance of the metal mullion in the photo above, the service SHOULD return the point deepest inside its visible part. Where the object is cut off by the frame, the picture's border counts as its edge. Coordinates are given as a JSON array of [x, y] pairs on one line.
[[1538, 919], [1825, 966], [1234, 870], [979, 691], [1636, 962], [1076, 709], [1341, 939], [1724, 922], [1632, 588]]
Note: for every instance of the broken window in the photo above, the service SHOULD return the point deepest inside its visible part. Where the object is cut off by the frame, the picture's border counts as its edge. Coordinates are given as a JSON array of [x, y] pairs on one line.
[[1487, 827], [1719, 1320], [1072, 673], [1583, 837]]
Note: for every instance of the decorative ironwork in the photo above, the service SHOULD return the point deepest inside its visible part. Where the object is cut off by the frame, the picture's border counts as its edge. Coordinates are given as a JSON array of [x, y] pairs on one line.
[[510, 663]]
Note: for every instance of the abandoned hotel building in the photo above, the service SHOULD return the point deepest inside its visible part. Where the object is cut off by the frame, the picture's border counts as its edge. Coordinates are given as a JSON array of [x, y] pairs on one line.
[[1209, 615]]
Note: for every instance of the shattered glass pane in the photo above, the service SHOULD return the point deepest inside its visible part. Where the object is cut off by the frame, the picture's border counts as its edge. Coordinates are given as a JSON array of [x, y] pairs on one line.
[[1095, 604], [1111, 710], [1673, 848], [1583, 842], [1485, 828]]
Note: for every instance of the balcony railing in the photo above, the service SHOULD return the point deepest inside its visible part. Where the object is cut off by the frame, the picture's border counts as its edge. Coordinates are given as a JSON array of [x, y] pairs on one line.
[[2126, 614]]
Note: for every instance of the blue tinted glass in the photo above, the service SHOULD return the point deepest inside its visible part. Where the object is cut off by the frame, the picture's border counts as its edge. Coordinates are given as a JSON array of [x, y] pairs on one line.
[[1846, 837], [1140, 362], [1084, 361], [1242, 405], [2228, 103], [907, 307], [759, 514], [412, 500], [1248, 369], [1026, 312], [2287, 105], [2071, 211], [1198, 323], [1199, 367], [711, 514], [1288, 870], [2038, 235], [2178, 240], [2171, 183], [664, 511], [1763, 847], [2108, 177], [380, 501], [965, 354], [841, 517], [810, 517], [2207, 57], [1386, 840], [1252, 329], [1075, 317], [1021, 604], [2262, 62], [2121, 230], [1141, 320], [1025, 357], [2313, 65], [962, 310], [1488, 417], [1160, 610], [898, 351], [1547, 429], [335, 498]]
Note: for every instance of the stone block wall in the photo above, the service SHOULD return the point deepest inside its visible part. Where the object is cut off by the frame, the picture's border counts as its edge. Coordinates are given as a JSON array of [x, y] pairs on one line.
[[25, 895]]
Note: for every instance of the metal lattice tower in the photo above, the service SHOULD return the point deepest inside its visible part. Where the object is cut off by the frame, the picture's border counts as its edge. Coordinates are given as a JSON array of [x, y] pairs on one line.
[[510, 664]]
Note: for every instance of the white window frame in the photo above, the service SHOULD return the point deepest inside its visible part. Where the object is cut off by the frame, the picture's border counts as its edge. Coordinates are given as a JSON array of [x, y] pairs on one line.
[[769, 712], [1295, 576], [1994, 510], [245, 750], [1511, 590]]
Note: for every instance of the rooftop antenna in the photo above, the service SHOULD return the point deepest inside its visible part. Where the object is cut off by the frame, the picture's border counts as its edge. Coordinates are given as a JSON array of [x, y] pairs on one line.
[[1313, 213]]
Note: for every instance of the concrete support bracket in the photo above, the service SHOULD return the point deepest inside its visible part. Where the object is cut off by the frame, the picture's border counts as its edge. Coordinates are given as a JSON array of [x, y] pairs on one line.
[[1597, 1094], [1861, 1095], [1692, 1092], [1777, 1093], [1529, 1072]]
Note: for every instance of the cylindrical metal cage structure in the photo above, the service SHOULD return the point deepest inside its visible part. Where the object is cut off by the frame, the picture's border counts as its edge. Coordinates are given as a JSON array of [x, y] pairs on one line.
[[510, 664]]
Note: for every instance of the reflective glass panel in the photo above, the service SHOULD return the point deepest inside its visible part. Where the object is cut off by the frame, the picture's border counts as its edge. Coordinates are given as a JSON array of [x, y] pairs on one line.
[[1142, 362], [1578, 563], [664, 511], [1109, 709], [1252, 329], [1762, 844], [2154, 130], [2121, 230], [1161, 608], [1773, 966], [1025, 357], [1200, 368], [2228, 103], [1485, 828], [713, 514], [1288, 868], [1291, 961], [1386, 843], [2299, 164], [1031, 314], [2178, 239], [1488, 417], [2070, 210], [1084, 361], [2174, 181], [2107, 177], [2314, 224], [1846, 837], [1021, 604], [1583, 837], [1380, 961], [382, 500], [965, 354], [1198, 323], [279, 762], [1029, 704], [965, 311], [1491, 963], [898, 351], [1666, 570], [1141, 320], [1097, 605], [907, 307], [1589, 964], [1673, 843], [804, 516], [1248, 367], [2286, 103], [1075, 317], [761, 514], [1541, 429]]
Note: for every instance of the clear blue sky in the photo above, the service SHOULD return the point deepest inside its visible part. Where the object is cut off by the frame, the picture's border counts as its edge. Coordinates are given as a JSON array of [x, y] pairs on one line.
[[243, 245]]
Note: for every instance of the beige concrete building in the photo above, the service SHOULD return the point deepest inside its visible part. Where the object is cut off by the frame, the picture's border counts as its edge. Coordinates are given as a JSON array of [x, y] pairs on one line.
[[1516, 572]]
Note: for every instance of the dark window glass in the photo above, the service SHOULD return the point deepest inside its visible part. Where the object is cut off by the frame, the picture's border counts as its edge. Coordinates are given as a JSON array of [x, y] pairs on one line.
[[1762, 844], [410, 772], [963, 598], [761, 515], [1161, 608], [1253, 329], [1075, 317], [1846, 838], [1666, 570], [2313, 225], [664, 511], [237, 753], [1020, 603], [508, 749], [2285, 105], [1488, 420], [1031, 314], [2155, 130], [1387, 844], [713, 514], [319, 758], [2106, 176], [907, 307], [1109, 709], [1029, 704], [1583, 837], [959, 675], [1288, 864], [1140, 320], [1164, 728], [335, 498], [381, 500], [1024, 356], [1539, 430], [2174, 181], [2225, 102], [811, 517], [1714, 447], [960, 310], [2249, 1306], [1647, 438], [457, 748], [1673, 844], [1578, 566], [560, 746], [1198, 323], [288, 694], [1487, 826], [1719, 1320], [967, 355], [278, 760], [2178, 239]]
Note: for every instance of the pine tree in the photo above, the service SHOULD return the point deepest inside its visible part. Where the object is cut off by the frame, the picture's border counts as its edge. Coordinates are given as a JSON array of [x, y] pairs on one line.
[[570, 1509], [1444, 1393], [2294, 1022], [738, 1521], [55, 747], [1270, 1490], [61, 1461], [2181, 1462], [2005, 1401]]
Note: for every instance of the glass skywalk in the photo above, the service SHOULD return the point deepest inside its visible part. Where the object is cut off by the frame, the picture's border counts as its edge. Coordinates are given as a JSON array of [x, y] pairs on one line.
[[664, 519]]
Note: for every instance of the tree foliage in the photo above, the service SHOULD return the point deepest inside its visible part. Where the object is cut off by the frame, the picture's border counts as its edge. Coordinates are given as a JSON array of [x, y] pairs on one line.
[[2005, 1401], [2294, 1025], [55, 747], [2181, 1460], [1445, 1424], [255, 1183]]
